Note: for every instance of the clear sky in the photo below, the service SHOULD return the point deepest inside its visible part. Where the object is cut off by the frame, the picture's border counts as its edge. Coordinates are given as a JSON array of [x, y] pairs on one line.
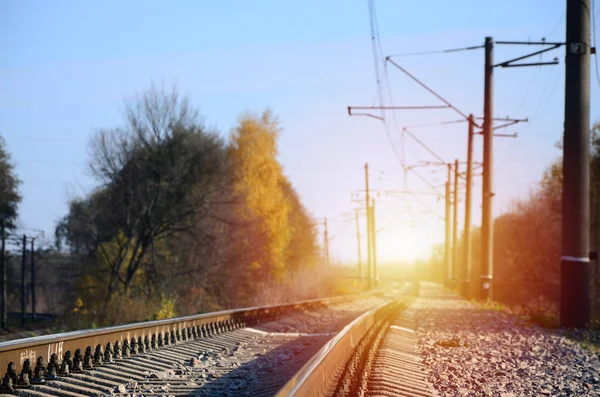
[[66, 67]]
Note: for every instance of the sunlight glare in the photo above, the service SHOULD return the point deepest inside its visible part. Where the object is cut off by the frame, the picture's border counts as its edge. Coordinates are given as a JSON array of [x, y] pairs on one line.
[[405, 244]]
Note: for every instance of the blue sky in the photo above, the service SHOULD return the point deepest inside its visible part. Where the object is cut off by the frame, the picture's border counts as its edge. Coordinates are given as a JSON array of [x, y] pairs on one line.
[[66, 67]]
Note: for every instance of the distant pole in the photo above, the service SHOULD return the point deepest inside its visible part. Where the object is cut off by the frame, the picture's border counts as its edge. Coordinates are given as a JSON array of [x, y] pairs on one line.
[[3, 270], [372, 248], [466, 281], [369, 247], [487, 225], [455, 266], [326, 244], [575, 300], [23, 264], [32, 281], [358, 244], [448, 270], [374, 237]]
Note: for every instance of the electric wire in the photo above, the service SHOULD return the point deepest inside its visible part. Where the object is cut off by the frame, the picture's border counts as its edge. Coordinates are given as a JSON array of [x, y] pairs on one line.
[[434, 52], [557, 24], [594, 37]]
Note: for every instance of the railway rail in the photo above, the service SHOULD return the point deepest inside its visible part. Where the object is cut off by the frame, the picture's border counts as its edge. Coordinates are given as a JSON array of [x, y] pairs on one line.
[[374, 355], [176, 356]]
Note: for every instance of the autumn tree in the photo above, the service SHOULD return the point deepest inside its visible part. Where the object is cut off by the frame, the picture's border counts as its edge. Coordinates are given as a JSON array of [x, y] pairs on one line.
[[278, 238], [181, 221], [302, 251], [259, 181]]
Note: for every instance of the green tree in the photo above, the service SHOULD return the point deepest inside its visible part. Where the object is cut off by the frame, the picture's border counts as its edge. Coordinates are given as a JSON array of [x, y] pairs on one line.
[[160, 175], [9, 187]]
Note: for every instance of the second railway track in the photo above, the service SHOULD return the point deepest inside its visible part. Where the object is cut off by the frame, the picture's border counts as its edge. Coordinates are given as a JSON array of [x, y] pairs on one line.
[[252, 352]]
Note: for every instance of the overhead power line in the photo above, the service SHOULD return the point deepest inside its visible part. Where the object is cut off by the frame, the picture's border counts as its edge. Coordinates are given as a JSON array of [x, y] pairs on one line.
[[434, 52], [429, 89]]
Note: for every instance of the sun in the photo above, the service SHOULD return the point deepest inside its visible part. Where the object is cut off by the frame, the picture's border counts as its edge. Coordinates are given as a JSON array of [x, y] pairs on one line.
[[404, 245]]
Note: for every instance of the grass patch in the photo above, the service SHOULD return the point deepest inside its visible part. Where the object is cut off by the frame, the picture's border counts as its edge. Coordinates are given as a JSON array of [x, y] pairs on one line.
[[588, 339], [539, 312]]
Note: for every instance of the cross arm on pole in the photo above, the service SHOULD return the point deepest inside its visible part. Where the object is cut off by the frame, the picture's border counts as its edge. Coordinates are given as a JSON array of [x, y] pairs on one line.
[[363, 114], [511, 62], [543, 42], [508, 122], [402, 192], [514, 135], [420, 107], [433, 163]]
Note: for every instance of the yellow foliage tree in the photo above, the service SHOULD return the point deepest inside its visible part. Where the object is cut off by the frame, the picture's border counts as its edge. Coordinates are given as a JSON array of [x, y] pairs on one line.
[[258, 180]]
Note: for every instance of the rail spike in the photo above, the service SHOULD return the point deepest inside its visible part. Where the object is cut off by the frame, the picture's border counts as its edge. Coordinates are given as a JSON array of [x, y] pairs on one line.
[[11, 373], [39, 375], [67, 364], [53, 367], [8, 384], [125, 348], [26, 374], [134, 346], [98, 356], [88, 359], [108, 353], [141, 346], [118, 350], [77, 362]]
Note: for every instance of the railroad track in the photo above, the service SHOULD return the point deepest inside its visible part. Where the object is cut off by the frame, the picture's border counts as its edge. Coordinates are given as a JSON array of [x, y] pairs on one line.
[[375, 355], [239, 352]]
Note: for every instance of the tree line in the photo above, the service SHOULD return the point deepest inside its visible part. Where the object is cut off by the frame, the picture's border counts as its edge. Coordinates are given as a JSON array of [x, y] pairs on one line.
[[181, 220], [527, 241]]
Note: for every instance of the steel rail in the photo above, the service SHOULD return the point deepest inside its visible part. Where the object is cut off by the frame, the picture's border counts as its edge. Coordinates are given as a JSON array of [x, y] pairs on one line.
[[321, 375], [43, 357]]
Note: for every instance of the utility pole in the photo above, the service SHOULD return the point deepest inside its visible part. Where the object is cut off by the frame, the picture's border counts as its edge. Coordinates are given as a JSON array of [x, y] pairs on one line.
[[326, 244], [358, 244], [369, 246], [466, 280], [23, 264], [448, 217], [487, 226], [456, 269], [3, 264], [374, 237], [575, 262], [32, 281]]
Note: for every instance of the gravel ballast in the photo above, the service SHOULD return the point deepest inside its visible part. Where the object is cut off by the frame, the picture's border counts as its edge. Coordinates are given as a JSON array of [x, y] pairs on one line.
[[472, 351], [253, 361]]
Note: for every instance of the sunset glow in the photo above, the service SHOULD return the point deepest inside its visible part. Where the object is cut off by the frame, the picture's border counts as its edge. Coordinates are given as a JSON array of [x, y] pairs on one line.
[[407, 244]]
